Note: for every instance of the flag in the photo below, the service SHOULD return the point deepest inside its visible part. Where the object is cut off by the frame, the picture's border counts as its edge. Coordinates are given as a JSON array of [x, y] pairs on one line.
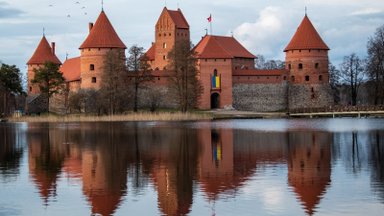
[[209, 18]]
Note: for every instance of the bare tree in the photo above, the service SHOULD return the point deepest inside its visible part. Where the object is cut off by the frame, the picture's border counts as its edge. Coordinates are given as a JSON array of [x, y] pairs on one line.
[[375, 65], [113, 89], [183, 79], [262, 63], [352, 74], [334, 82], [139, 70]]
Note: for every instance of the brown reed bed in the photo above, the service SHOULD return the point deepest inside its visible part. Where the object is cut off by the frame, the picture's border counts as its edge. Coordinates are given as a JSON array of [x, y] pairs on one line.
[[140, 116]]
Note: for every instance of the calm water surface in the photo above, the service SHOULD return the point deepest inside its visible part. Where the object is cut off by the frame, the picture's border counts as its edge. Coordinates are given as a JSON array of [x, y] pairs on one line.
[[234, 167]]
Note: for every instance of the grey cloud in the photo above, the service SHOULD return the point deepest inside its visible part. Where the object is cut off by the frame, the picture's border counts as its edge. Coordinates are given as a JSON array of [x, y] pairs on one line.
[[8, 12]]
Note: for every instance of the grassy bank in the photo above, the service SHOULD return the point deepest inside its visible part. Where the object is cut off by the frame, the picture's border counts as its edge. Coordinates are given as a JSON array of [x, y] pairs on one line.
[[140, 116]]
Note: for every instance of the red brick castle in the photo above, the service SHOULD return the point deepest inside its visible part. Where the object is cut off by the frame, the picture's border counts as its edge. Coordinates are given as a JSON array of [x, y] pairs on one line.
[[226, 69]]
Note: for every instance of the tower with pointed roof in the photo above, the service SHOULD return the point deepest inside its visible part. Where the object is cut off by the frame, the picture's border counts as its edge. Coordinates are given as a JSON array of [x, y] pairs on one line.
[[43, 53], [306, 59], [101, 39], [170, 27]]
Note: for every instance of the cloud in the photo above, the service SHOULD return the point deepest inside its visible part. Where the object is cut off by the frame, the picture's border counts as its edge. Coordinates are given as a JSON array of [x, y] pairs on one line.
[[7, 12], [366, 11], [266, 34]]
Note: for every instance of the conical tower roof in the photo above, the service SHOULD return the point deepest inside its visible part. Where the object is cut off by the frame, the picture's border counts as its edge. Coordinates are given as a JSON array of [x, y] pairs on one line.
[[306, 37], [103, 35], [43, 53]]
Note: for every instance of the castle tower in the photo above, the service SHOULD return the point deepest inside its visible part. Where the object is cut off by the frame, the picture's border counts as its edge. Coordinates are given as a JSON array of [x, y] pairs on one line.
[[170, 27], [306, 59], [43, 53], [101, 39]]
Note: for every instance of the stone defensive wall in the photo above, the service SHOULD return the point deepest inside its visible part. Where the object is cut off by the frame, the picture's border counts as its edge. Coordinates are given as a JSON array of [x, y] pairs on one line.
[[309, 95]]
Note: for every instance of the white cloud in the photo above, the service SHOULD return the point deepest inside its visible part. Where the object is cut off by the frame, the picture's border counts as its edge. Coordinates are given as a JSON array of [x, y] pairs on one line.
[[366, 11], [265, 35]]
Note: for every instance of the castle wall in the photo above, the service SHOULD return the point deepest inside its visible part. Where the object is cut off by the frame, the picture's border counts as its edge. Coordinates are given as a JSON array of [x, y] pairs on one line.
[[309, 96], [260, 97], [156, 96]]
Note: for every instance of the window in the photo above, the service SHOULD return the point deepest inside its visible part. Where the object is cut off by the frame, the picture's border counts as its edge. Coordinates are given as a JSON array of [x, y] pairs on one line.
[[300, 66], [93, 79], [164, 45], [215, 72], [320, 78], [289, 66], [30, 89], [92, 67], [307, 78], [158, 78], [160, 35], [316, 65], [169, 34], [164, 57], [165, 34], [285, 78]]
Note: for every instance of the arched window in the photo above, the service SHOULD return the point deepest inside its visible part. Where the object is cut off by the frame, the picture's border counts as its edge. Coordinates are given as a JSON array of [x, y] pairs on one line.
[[300, 66]]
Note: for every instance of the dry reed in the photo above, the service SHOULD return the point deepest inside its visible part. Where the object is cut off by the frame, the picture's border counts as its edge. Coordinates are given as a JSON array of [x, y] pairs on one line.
[[140, 116]]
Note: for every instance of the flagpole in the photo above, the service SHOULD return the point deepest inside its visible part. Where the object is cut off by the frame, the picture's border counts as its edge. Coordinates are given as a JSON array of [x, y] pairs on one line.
[[210, 23]]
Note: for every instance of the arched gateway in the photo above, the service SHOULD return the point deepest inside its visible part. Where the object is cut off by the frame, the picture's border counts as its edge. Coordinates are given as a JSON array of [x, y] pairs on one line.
[[215, 100]]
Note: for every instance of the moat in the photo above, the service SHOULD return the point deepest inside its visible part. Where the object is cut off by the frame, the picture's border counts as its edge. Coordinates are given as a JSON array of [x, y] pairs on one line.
[[228, 167]]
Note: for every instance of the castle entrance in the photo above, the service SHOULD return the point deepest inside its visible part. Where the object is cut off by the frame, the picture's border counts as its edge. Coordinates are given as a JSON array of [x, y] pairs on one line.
[[215, 100]]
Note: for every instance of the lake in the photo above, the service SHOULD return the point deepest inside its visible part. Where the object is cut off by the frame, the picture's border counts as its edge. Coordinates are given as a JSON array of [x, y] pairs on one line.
[[229, 167]]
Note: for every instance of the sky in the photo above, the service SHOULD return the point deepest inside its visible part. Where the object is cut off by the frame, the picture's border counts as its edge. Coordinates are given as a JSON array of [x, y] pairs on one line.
[[264, 27]]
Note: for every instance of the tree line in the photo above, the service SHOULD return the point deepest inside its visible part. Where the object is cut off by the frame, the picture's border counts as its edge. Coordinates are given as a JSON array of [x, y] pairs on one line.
[[360, 81]]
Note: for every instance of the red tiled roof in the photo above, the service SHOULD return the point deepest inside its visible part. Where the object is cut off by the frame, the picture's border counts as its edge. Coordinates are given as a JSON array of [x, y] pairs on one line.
[[221, 47], [256, 72], [178, 18], [43, 53], [151, 53], [71, 69], [306, 37], [103, 35]]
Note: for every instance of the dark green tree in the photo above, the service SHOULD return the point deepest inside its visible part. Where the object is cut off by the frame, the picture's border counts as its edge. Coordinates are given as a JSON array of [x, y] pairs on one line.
[[49, 79], [184, 83], [10, 84], [139, 70]]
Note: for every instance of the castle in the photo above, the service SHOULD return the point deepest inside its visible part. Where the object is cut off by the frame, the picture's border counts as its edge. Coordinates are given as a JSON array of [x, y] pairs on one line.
[[226, 69]]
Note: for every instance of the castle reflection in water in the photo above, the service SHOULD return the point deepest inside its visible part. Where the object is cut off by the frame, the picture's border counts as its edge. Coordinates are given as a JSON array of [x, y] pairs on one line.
[[110, 159]]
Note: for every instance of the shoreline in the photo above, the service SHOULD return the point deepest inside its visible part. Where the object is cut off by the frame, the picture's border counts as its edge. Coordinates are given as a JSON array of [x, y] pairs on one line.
[[189, 116], [140, 116]]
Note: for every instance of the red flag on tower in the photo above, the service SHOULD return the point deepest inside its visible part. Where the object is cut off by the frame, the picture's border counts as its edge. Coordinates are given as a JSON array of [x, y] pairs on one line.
[[209, 18]]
